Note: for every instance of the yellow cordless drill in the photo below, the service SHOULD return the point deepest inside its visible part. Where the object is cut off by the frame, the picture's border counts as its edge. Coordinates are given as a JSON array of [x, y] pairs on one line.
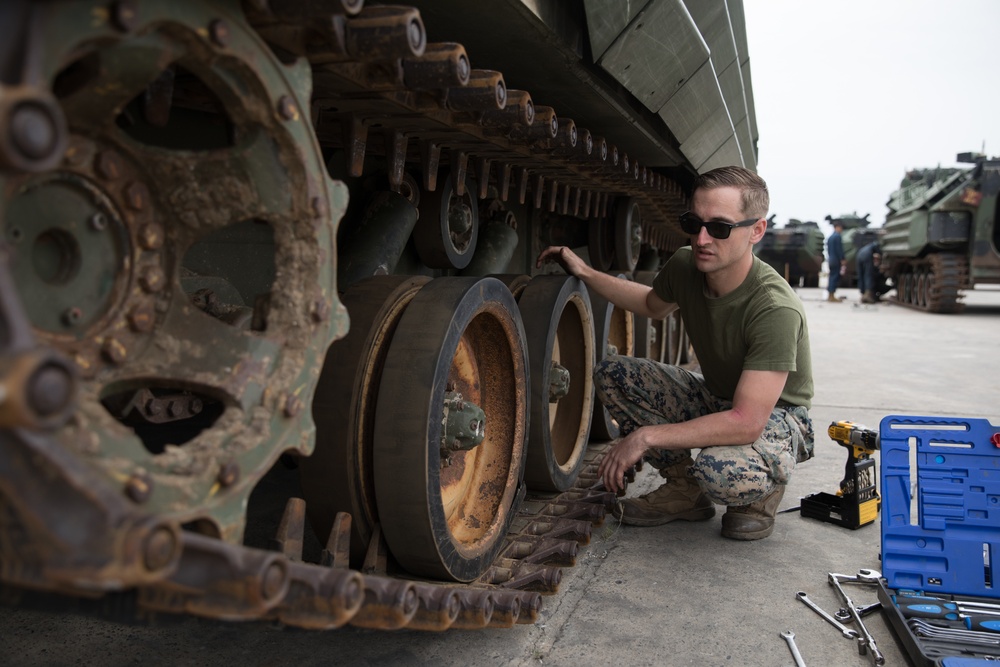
[[857, 502]]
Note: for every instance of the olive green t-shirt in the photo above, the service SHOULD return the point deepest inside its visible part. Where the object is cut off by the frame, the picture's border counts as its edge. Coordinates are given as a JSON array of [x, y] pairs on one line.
[[759, 326]]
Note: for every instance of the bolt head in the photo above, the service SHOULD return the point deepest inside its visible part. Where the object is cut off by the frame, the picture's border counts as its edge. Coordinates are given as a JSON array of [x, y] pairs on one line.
[[113, 351], [141, 319], [139, 487], [152, 279], [108, 165], [287, 108], [218, 31], [136, 195], [229, 474]]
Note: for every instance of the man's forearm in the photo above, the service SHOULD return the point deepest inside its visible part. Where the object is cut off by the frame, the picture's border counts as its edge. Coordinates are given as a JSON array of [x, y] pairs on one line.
[[711, 430]]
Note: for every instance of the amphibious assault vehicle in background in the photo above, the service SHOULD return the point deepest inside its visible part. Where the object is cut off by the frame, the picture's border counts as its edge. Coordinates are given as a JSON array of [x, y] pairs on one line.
[[273, 333], [856, 235], [941, 234], [795, 251]]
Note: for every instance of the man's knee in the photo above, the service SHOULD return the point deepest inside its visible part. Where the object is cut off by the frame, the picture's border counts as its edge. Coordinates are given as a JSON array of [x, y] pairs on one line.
[[731, 480]]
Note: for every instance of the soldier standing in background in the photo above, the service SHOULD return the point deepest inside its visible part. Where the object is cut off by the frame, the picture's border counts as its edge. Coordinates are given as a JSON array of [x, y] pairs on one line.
[[835, 256]]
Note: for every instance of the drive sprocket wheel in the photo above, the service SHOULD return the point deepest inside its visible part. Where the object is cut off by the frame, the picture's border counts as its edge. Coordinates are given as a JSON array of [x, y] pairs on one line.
[[187, 138]]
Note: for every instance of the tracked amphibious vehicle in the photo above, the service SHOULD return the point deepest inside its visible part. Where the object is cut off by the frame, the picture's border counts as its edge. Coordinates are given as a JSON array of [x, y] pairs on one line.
[[941, 234], [274, 345], [795, 251]]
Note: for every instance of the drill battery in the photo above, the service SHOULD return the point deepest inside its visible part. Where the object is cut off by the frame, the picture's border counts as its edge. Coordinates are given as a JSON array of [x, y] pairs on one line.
[[857, 502]]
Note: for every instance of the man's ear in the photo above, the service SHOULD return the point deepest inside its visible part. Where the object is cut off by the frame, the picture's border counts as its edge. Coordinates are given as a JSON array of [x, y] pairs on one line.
[[757, 230]]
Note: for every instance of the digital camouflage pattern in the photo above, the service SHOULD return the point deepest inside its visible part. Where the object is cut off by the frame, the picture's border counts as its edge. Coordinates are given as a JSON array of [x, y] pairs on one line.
[[642, 392]]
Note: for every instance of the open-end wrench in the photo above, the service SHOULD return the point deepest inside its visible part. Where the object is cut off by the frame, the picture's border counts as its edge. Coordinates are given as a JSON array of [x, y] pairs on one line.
[[869, 641], [846, 631], [864, 576], [790, 638]]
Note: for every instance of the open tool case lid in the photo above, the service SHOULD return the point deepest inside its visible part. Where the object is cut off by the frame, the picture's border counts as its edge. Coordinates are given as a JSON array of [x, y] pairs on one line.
[[945, 537]]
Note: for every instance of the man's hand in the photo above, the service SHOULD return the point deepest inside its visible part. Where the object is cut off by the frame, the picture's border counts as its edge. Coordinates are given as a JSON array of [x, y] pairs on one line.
[[624, 454], [843, 269], [565, 257]]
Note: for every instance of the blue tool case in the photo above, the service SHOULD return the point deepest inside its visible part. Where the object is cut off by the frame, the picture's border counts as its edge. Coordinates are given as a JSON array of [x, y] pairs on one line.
[[940, 520]]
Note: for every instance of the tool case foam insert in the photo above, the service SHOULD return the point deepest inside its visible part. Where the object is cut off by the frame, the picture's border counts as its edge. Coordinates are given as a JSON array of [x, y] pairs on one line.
[[948, 544]]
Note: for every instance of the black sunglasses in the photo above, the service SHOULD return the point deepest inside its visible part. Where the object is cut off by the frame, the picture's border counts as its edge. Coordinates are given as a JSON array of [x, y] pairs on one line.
[[692, 224]]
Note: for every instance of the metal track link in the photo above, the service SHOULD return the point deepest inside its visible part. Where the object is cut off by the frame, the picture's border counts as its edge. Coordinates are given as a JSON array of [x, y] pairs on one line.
[[409, 105], [215, 579]]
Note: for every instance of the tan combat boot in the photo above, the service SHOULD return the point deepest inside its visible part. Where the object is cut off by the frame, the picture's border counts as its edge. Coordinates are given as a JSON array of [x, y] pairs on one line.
[[680, 498], [753, 521], [868, 297], [833, 299]]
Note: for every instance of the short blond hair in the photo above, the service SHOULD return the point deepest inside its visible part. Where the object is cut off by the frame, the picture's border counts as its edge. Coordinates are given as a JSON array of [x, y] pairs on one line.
[[753, 189]]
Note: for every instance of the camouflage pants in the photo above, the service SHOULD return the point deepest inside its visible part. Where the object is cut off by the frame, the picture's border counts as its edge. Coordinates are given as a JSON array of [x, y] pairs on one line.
[[642, 392]]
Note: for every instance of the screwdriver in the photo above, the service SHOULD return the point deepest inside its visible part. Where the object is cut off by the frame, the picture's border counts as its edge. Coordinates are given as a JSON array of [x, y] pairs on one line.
[[968, 606]]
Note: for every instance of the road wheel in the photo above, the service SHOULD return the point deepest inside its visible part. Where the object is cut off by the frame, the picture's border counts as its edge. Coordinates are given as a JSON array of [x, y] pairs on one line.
[[450, 428], [559, 328], [339, 476]]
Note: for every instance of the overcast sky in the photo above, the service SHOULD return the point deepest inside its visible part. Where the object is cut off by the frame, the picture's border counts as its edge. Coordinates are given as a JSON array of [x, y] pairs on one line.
[[850, 94]]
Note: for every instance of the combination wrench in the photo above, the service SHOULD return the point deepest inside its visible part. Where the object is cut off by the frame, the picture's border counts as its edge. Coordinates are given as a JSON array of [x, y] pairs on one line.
[[789, 637], [846, 631]]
